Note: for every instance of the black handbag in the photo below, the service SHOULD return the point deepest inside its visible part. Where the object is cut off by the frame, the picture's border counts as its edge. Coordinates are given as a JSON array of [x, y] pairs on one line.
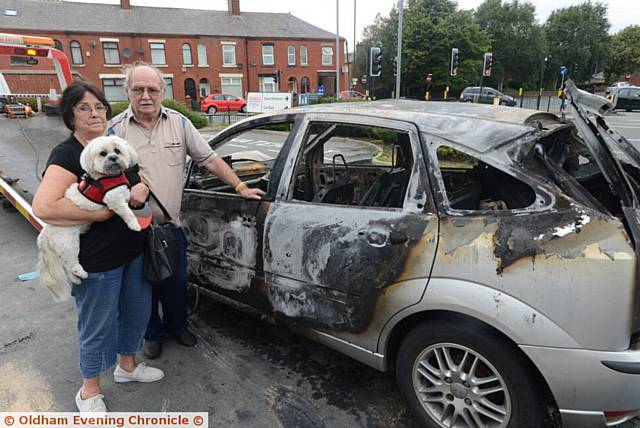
[[162, 250]]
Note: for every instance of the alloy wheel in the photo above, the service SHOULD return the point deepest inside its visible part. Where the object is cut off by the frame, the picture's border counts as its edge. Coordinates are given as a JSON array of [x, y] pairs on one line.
[[459, 388]]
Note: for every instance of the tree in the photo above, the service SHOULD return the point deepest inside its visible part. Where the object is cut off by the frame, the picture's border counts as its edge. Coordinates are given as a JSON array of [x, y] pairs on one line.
[[624, 55], [519, 43], [431, 29], [578, 35]]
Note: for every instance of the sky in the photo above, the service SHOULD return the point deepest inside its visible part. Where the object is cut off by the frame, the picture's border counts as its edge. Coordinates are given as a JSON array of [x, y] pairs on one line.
[[323, 13]]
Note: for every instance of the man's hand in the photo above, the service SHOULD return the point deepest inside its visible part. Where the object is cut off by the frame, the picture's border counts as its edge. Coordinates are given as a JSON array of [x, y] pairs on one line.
[[249, 193], [139, 195]]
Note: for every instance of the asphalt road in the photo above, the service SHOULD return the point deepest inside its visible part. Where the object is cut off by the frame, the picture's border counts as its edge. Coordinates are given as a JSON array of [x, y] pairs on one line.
[[627, 124]]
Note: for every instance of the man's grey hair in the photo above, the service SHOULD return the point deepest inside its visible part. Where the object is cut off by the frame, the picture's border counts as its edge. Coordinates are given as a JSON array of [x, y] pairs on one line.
[[128, 70]]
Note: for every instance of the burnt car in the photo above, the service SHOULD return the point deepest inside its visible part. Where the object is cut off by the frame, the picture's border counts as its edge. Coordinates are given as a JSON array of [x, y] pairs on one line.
[[486, 254]]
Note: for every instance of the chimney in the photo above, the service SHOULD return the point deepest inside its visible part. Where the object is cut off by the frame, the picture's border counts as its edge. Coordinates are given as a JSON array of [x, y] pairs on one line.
[[124, 4], [234, 7]]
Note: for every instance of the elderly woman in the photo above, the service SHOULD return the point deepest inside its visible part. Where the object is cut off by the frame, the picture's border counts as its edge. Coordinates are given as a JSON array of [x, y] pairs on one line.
[[114, 302]]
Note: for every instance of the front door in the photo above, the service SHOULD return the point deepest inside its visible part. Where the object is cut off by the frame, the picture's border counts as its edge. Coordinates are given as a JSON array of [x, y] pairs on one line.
[[353, 218], [223, 229]]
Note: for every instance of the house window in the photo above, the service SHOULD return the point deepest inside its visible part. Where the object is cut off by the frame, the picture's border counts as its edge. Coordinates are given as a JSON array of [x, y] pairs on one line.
[[186, 54], [111, 53], [292, 85], [58, 45], [291, 51], [229, 55], [327, 55], [158, 55], [268, 84], [205, 87], [168, 88], [305, 85], [304, 55], [76, 52], [232, 86], [114, 89], [267, 55], [202, 55]]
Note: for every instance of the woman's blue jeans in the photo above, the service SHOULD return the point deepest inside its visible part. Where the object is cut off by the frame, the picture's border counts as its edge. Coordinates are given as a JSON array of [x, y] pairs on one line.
[[113, 312]]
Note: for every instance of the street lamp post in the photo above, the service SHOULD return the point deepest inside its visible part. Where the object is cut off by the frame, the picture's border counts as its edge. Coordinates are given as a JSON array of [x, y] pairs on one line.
[[399, 49], [542, 67], [337, 50]]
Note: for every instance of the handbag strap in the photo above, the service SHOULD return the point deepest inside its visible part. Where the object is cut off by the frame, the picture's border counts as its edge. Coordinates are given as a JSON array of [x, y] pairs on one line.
[[164, 211]]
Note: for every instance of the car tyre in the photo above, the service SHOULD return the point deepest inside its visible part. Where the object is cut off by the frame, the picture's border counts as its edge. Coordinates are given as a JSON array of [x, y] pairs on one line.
[[243, 109], [453, 364], [212, 110], [628, 109]]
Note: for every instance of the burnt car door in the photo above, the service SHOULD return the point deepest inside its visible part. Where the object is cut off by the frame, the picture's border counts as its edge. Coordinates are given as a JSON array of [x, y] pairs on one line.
[[224, 230], [353, 219]]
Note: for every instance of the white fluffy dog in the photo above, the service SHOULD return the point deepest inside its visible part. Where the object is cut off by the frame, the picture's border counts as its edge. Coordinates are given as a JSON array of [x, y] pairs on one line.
[[104, 160]]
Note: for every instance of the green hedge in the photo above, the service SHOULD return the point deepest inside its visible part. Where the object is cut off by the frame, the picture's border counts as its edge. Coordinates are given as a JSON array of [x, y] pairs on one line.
[[195, 118], [329, 100]]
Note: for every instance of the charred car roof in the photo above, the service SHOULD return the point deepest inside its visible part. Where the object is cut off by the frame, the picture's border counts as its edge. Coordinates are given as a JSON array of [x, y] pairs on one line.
[[478, 127]]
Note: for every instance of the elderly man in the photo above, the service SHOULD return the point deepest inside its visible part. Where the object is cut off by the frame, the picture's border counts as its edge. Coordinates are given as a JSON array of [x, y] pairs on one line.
[[163, 138]]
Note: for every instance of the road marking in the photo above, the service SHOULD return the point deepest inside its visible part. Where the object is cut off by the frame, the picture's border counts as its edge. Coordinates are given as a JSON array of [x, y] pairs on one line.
[[274, 151], [236, 145], [626, 127]]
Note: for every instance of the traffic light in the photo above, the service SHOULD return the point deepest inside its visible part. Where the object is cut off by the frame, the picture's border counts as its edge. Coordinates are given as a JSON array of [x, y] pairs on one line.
[[574, 72], [488, 63], [395, 66], [375, 61], [455, 61]]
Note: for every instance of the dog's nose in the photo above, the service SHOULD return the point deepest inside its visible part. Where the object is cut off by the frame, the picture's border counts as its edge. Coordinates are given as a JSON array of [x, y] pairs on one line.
[[113, 158]]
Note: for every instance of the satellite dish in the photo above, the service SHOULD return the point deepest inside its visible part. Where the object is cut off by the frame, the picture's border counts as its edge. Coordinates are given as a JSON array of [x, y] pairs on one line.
[[126, 52]]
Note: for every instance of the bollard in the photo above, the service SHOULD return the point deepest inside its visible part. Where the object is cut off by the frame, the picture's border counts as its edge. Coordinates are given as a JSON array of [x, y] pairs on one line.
[[426, 96], [521, 95]]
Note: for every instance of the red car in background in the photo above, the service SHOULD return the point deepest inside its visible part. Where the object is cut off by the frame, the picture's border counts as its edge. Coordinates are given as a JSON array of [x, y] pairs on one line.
[[352, 95], [222, 103]]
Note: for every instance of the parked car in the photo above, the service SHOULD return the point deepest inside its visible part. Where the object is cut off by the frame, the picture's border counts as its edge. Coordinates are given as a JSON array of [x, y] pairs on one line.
[[352, 95], [613, 88], [627, 98], [472, 94], [488, 256], [222, 103]]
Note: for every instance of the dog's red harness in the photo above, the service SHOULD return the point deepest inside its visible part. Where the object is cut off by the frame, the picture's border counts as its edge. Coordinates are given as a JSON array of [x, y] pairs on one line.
[[95, 189]]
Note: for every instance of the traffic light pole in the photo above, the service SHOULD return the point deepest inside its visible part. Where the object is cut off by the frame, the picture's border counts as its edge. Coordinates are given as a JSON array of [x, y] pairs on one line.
[[399, 49]]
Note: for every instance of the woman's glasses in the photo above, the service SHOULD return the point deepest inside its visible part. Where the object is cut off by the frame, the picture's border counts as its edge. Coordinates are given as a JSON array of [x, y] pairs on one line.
[[86, 108]]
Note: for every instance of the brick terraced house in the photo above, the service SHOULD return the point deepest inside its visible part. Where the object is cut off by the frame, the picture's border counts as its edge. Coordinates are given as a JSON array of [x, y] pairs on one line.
[[199, 51]]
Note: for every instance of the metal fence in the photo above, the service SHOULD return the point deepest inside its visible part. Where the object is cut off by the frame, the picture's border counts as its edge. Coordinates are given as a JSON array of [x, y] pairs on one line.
[[226, 117]]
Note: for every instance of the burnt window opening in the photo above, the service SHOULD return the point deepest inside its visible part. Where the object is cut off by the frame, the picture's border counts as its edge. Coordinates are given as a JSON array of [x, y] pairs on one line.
[[251, 154], [471, 184], [353, 165]]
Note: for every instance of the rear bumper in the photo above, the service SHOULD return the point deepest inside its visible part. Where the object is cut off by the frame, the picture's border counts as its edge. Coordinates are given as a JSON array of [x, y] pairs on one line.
[[585, 383]]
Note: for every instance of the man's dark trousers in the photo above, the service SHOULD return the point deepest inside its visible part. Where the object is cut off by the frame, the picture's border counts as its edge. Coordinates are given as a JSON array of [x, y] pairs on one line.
[[172, 294]]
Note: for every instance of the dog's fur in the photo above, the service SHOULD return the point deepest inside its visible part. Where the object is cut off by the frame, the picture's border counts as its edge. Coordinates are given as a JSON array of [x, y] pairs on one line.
[[59, 245]]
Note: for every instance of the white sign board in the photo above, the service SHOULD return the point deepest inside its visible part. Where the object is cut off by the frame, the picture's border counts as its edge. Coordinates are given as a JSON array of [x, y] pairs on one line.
[[4, 88], [261, 102]]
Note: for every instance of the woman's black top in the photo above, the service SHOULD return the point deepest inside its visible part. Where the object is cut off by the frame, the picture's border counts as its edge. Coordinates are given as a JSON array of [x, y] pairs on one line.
[[108, 244]]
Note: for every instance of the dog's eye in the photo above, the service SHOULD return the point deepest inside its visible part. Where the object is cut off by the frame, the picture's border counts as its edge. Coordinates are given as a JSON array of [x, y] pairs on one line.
[[117, 151], [103, 153]]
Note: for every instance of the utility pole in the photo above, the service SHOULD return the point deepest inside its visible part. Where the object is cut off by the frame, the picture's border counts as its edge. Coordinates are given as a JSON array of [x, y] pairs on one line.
[[337, 49], [399, 49], [355, 45]]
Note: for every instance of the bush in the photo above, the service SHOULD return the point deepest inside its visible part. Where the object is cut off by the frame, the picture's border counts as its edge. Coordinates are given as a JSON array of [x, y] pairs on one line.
[[31, 102], [329, 100], [197, 120]]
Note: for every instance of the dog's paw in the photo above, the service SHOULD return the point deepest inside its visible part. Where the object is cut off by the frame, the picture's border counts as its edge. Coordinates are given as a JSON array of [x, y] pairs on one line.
[[134, 225], [78, 274]]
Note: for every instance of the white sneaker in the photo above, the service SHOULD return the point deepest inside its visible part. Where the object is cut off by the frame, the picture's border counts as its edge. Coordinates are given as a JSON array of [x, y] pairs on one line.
[[91, 404], [142, 373]]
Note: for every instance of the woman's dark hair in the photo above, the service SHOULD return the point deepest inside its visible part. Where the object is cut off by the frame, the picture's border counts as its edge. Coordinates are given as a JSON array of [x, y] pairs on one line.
[[73, 94]]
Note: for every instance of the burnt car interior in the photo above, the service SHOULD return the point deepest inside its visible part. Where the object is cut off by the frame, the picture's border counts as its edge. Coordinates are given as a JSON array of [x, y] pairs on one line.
[[251, 154], [354, 165], [475, 185], [563, 148]]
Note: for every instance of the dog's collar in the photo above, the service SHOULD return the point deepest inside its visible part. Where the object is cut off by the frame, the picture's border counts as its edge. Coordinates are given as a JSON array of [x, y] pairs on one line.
[[94, 189]]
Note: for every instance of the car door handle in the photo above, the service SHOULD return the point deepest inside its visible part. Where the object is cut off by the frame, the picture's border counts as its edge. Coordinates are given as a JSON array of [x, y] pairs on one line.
[[396, 238]]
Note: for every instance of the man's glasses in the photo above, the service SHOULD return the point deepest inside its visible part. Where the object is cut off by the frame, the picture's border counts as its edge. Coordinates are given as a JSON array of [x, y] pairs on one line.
[[86, 108], [139, 91]]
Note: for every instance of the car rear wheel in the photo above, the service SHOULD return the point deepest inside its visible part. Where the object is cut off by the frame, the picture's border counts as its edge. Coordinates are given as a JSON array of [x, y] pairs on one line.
[[212, 110], [456, 374], [243, 109]]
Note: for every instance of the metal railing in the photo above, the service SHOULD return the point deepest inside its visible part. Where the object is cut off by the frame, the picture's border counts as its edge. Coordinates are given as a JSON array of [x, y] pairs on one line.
[[226, 117]]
